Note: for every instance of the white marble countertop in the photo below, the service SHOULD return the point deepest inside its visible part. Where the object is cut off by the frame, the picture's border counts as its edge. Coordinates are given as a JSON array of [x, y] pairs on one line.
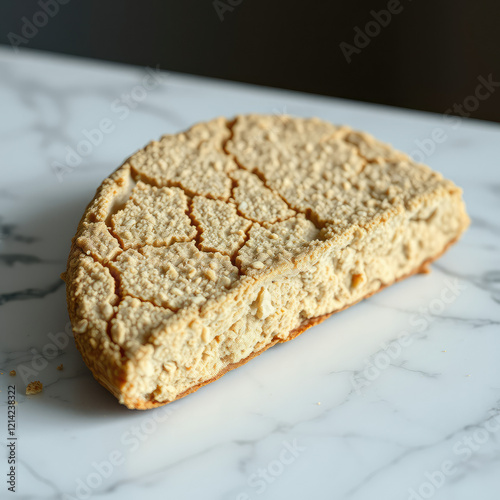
[[395, 398]]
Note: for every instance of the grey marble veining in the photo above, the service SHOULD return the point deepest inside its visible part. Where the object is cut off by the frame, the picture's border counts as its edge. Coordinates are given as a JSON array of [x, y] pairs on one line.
[[395, 398]]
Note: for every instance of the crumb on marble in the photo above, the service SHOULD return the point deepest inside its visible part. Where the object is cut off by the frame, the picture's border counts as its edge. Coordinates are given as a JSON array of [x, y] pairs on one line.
[[12, 373], [60, 367], [34, 387]]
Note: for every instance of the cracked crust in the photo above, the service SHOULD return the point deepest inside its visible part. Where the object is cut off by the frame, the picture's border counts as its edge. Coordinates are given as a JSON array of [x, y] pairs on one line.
[[210, 246], [141, 404]]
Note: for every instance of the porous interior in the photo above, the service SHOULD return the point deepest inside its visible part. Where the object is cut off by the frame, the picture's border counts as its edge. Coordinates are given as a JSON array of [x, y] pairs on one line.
[[207, 246]]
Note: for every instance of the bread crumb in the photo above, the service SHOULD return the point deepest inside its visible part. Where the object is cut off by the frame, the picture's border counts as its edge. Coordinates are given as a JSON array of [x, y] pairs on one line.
[[34, 387], [60, 367], [12, 373], [210, 274]]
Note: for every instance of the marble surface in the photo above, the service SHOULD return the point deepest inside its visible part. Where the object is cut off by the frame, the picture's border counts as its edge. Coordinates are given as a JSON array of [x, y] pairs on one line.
[[395, 398]]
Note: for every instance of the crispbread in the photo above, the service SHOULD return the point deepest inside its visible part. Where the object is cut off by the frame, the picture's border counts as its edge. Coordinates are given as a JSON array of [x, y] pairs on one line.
[[207, 247]]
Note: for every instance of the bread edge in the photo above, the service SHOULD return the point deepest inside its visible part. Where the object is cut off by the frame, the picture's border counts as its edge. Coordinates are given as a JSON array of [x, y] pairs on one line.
[[142, 404]]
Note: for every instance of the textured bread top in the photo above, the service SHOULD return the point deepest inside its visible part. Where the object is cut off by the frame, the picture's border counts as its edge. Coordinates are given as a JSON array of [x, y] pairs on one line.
[[194, 218]]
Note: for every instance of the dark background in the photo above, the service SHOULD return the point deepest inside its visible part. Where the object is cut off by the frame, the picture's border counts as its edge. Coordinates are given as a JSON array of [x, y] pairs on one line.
[[428, 57]]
